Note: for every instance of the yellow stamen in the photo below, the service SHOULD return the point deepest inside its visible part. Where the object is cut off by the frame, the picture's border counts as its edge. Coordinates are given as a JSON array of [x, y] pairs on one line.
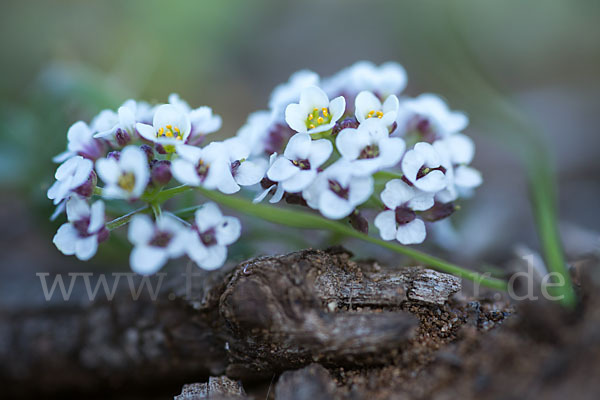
[[311, 126], [320, 120], [379, 114], [315, 109], [310, 117], [161, 131], [325, 111], [176, 129], [169, 134], [170, 127]]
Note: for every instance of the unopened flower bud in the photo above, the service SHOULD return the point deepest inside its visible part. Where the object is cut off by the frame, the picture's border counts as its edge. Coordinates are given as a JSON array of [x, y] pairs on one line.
[[161, 172], [359, 222], [149, 152], [103, 234], [346, 123], [439, 211], [87, 188], [114, 154], [122, 137], [160, 149]]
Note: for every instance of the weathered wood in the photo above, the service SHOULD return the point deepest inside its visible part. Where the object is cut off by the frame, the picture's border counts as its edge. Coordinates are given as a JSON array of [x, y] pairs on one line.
[[309, 383], [265, 316], [217, 388]]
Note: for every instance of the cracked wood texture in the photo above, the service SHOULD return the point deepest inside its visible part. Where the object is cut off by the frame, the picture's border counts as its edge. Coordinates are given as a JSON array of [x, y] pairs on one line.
[[263, 317]]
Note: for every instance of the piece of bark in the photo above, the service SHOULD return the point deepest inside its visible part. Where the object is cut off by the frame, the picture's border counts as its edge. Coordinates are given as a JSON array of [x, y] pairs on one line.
[[265, 316], [309, 383], [217, 388]]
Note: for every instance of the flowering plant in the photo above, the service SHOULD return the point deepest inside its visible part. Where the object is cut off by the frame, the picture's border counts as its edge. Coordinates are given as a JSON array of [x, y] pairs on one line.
[[349, 147]]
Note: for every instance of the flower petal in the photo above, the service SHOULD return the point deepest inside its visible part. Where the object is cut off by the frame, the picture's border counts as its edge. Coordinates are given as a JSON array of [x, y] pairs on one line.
[[334, 207], [146, 260], [366, 102], [281, 169], [313, 97], [299, 181], [77, 209], [434, 181], [467, 177], [396, 193], [215, 257], [96, 216], [146, 131], [228, 230], [65, 239], [250, 172], [141, 229], [298, 148], [185, 172], [85, 248], [208, 216], [412, 233], [385, 221], [320, 150]]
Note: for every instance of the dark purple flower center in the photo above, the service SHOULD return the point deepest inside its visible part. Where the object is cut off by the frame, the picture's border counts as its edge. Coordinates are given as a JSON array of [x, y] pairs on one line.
[[161, 239], [338, 189], [82, 227], [234, 167], [371, 151], [208, 237], [302, 164], [426, 170], [404, 215]]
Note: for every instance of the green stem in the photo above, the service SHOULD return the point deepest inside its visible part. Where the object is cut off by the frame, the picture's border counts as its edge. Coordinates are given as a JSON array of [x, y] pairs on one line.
[[122, 220], [387, 175], [156, 210], [305, 220]]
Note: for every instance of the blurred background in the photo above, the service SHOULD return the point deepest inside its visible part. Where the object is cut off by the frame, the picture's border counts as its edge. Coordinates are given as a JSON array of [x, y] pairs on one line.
[[63, 61]]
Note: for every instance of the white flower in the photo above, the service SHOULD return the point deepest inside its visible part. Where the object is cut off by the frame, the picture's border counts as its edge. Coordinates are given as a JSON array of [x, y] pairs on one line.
[[429, 115], [256, 130], [422, 166], [171, 125], [456, 152], [208, 167], [369, 106], [297, 168], [70, 175], [81, 142], [80, 236], [211, 234], [270, 185], [389, 78], [155, 243], [369, 147], [117, 128], [202, 119], [314, 113], [336, 192], [127, 177], [244, 171], [289, 92], [400, 222]]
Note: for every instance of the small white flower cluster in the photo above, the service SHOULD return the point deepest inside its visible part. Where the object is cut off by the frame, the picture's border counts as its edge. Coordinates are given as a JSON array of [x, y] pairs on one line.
[[135, 152], [347, 146], [344, 144]]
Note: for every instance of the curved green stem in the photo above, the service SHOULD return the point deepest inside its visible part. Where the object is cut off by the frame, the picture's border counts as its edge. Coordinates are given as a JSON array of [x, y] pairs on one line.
[[305, 220], [122, 220]]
